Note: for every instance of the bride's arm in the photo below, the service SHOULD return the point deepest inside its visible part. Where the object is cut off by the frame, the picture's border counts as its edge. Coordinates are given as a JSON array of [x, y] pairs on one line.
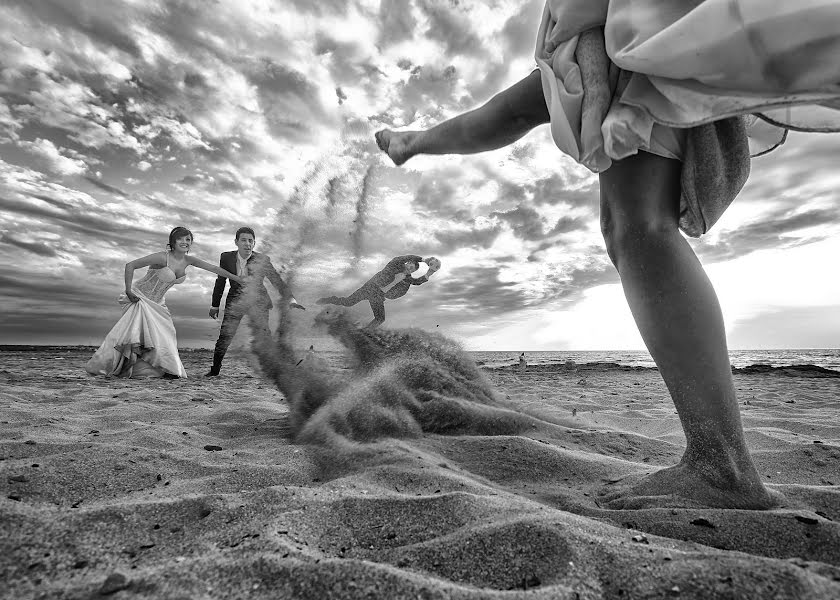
[[203, 264], [158, 258]]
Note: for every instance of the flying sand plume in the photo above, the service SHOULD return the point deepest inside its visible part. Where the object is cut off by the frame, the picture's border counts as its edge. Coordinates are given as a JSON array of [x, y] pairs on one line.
[[357, 235], [403, 383], [342, 179], [311, 212], [336, 187]]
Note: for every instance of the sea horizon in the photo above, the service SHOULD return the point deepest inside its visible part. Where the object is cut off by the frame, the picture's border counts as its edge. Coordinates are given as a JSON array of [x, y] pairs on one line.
[[828, 358]]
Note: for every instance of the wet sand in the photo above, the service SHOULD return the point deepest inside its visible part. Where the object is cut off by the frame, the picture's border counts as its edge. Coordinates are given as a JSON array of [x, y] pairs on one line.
[[192, 489]]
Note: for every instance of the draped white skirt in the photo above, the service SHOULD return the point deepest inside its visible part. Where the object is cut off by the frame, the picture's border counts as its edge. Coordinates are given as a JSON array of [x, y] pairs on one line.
[[687, 64], [706, 82], [141, 344]]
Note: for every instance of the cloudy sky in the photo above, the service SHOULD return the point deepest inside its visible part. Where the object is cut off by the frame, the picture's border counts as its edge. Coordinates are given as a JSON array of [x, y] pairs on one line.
[[120, 119]]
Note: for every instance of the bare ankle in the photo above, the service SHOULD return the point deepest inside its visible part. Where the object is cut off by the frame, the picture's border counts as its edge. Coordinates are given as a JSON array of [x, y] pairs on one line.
[[722, 465]]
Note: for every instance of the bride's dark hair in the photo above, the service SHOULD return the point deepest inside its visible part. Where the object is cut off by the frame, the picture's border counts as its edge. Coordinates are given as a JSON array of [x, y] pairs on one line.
[[176, 233]]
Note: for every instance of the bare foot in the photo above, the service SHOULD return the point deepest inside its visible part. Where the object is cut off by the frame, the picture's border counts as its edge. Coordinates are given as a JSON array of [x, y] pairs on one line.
[[686, 486], [395, 144]]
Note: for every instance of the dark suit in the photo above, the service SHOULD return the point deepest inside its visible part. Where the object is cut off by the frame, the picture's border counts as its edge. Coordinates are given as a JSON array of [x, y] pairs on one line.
[[256, 304], [373, 289], [400, 289], [394, 267]]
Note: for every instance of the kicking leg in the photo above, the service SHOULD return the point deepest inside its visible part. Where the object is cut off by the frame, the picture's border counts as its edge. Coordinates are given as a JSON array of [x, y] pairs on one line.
[[361, 294], [505, 118], [677, 312]]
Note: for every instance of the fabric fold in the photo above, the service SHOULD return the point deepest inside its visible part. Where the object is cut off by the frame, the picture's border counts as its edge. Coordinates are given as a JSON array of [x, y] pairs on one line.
[[710, 83], [142, 343]]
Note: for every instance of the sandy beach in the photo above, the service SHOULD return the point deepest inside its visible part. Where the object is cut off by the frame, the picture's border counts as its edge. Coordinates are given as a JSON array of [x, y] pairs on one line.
[[192, 489]]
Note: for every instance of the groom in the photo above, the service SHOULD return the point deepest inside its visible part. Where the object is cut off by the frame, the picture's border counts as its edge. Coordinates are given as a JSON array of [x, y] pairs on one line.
[[256, 303]]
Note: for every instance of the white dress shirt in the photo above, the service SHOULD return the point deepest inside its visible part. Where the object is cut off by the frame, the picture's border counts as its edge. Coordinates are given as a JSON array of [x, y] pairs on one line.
[[241, 264]]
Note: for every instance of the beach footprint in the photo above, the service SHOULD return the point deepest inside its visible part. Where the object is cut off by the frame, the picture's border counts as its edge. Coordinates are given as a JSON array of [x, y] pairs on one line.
[[682, 486]]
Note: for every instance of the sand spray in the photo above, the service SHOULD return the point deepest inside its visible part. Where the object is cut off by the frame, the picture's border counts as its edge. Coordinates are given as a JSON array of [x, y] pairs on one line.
[[401, 383]]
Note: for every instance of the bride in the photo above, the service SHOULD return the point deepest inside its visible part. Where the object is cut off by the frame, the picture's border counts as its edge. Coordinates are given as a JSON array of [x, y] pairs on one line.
[[143, 343]]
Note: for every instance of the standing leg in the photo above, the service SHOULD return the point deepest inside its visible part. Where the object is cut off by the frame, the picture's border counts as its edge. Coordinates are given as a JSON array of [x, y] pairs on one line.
[[502, 120], [230, 323], [262, 340], [677, 312], [258, 316], [377, 305]]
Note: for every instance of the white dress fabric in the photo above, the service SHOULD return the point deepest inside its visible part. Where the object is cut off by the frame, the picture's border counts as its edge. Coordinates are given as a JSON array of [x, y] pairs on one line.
[[143, 342], [707, 82], [689, 63]]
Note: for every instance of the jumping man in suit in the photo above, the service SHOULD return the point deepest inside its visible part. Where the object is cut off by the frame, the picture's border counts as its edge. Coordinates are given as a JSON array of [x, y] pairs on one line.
[[392, 282], [245, 263]]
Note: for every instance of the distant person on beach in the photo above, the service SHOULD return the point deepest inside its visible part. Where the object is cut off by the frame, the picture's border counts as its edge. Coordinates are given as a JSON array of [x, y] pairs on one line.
[[252, 300], [523, 364], [309, 357], [392, 282], [143, 342], [660, 98]]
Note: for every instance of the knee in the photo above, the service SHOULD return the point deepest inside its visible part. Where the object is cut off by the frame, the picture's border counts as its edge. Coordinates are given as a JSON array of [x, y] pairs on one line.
[[616, 234], [640, 201], [626, 235]]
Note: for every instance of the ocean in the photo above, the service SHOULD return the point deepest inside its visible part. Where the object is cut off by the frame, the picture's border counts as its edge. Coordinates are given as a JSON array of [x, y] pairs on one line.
[[828, 358]]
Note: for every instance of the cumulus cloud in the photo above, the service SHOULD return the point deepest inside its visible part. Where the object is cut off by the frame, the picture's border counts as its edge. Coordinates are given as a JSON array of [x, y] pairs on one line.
[[481, 288], [398, 22], [220, 181], [519, 32], [184, 134], [529, 224], [289, 100], [14, 242], [455, 238], [778, 229], [120, 120], [60, 103], [427, 88], [53, 159], [104, 24], [104, 186], [452, 28], [9, 125]]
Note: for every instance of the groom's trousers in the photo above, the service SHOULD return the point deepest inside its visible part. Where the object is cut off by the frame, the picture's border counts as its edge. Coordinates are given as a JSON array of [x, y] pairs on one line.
[[234, 311]]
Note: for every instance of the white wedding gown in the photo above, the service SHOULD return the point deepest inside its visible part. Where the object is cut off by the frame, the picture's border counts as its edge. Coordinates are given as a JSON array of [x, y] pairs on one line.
[[143, 342]]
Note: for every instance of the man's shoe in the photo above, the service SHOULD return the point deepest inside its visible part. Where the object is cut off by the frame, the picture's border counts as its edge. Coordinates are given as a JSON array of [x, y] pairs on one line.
[[211, 373]]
